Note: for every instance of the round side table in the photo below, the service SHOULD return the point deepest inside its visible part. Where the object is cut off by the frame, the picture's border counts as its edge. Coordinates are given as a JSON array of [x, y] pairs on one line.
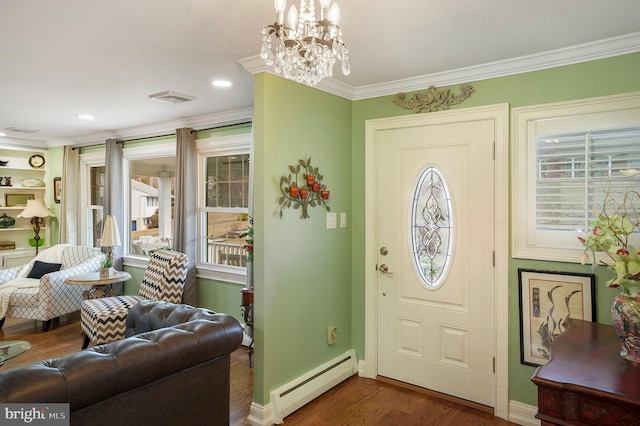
[[102, 287]]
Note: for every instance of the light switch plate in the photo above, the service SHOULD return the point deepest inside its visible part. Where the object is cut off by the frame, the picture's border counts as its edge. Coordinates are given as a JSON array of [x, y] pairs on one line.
[[343, 220], [332, 219]]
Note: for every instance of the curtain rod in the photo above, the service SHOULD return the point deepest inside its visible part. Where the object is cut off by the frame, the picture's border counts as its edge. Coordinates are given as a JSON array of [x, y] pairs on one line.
[[163, 136], [91, 146]]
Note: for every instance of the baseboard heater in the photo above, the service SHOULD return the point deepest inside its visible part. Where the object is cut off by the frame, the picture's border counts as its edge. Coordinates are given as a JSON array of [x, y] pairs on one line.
[[288, 398]]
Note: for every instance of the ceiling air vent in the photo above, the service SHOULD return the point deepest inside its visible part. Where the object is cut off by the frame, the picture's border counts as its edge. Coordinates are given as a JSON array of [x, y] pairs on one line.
[[171, 97]]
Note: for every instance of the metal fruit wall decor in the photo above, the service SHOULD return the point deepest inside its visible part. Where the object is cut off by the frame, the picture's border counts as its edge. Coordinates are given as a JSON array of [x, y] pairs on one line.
[[311, 192]]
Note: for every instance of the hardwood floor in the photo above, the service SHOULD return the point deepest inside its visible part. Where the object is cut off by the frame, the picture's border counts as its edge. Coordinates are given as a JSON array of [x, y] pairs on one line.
[[356, 401], [360, 401]]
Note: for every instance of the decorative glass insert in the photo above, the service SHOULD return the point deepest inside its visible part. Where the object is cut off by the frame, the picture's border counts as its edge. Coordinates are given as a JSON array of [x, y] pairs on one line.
[[431, 227]]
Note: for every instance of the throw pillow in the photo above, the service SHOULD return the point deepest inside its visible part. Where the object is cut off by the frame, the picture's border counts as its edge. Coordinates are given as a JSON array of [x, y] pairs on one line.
[[41, 268]]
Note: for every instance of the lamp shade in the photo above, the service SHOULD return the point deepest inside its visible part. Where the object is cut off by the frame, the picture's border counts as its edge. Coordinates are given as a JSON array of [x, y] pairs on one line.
[[35, 208], [110, 233]]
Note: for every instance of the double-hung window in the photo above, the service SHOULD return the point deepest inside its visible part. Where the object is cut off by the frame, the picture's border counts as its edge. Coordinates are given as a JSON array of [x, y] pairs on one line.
[[223, 205], [567, 158], [92, 176]]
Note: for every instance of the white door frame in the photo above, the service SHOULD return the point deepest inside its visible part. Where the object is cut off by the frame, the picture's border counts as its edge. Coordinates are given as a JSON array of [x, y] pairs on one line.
[[499, 113]]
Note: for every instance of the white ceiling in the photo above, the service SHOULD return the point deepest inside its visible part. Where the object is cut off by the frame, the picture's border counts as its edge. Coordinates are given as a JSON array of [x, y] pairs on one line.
[[63, 58]]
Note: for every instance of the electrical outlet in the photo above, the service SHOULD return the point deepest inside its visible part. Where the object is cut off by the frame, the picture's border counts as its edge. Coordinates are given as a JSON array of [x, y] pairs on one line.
[[332, 335]]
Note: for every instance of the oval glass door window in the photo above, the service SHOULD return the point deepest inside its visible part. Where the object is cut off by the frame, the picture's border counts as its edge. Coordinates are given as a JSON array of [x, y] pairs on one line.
[[432, 228]]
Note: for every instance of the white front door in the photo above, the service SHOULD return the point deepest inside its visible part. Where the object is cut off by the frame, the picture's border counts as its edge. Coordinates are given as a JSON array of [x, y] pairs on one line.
[[436, 328]]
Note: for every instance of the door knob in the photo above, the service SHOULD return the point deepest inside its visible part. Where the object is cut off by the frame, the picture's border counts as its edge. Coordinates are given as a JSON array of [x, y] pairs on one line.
[[385, 269]]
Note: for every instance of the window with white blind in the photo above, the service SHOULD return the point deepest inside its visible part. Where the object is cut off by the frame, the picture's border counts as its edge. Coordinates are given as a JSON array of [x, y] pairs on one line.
[[567, 157], [575, 170]]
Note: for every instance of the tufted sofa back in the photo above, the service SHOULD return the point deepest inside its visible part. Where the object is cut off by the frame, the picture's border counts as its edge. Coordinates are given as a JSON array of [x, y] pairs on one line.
[[149, 315], [174, 375]]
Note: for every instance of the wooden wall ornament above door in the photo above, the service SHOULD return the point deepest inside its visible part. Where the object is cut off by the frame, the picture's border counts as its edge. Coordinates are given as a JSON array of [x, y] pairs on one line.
[[433, 100]]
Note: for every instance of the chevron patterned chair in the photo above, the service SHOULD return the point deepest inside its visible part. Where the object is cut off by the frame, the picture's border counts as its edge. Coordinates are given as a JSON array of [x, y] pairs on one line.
[[104, 320]]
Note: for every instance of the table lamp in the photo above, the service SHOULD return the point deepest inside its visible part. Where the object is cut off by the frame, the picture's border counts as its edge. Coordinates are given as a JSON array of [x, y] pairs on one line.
[[110, 237], [37, 211]]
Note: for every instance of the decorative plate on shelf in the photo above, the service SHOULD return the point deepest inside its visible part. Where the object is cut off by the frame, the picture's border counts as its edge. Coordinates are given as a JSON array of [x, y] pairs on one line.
[[32, 183], [36, 161]]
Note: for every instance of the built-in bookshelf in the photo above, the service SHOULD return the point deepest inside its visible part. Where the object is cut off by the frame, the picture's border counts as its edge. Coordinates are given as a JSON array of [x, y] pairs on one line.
[[23, 176]]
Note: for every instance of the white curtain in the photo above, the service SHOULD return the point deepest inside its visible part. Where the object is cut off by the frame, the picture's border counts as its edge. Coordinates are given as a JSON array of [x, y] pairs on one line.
[[186, 209], [69, 200]]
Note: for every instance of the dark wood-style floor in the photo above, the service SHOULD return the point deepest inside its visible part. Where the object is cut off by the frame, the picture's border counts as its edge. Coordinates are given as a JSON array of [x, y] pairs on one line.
[[356, 401]]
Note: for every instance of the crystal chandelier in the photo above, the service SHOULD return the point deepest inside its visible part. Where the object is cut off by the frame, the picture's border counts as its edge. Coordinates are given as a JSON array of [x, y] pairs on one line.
[[305, 49]]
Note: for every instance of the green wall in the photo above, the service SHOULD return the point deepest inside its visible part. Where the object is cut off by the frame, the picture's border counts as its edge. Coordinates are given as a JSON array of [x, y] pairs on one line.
[[596, 78], [220, 296], [302, 270]]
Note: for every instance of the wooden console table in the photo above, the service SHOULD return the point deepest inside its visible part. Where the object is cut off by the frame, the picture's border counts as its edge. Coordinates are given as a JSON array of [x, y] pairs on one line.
[[586, 381]]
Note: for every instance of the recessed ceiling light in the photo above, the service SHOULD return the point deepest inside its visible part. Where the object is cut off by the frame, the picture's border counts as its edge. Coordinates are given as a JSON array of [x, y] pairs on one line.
[[85, 116], [221, 83], [3, 134]]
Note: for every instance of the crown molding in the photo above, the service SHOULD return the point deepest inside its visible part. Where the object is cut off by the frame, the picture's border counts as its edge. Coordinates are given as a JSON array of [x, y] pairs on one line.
[[601, 49], [159, 129], [255, 64]]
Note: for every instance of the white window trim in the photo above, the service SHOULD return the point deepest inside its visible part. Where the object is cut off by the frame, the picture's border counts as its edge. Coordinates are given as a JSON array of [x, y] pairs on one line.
[[525, 243], [219, 146], [87, 161]]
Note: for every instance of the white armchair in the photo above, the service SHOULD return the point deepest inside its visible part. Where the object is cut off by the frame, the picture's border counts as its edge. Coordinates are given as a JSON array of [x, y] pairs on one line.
[[47, 297]]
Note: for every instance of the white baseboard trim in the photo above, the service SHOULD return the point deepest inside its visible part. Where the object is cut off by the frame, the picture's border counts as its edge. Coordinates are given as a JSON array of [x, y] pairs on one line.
[[302, 390], [361, 368], [260, 415], [288, 398], [523, 414]]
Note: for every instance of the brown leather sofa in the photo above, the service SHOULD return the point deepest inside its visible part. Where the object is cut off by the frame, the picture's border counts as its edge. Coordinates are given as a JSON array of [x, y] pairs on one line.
[[172, 369]]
